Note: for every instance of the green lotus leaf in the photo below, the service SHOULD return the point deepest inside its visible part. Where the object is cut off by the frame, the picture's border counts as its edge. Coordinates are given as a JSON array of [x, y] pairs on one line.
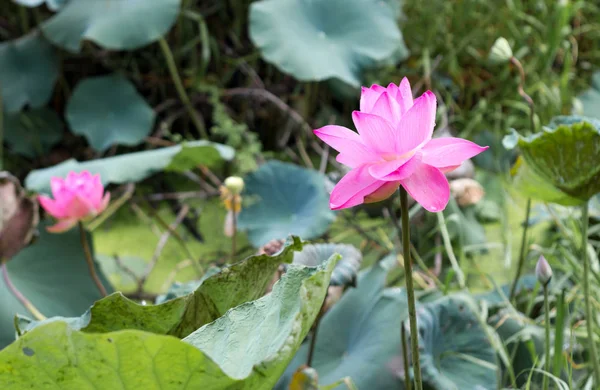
[[107, 110], [232, 286], [114, 24], [32, 133], [566, 155], [529, 183], [53, 275], [287, 199], [456, 353], [590, 99], [247, 348], [345, 272], [140, 165], [181, 289], [28, 70], [360, 336], [316, 40]]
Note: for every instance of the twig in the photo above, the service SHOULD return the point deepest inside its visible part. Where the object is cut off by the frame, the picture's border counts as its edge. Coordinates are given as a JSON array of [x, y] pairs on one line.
[[324, 157], [194, 115], [313, 340], [448, 246], [521, 264], [161, 245], [303, 153], [90, 260], [20, 297], [177, 196], [211, 176], [125, 268]]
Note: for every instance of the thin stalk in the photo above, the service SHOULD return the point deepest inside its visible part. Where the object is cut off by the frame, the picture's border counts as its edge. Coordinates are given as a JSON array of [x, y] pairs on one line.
[[164, 46], [407, 382], [234, 220], [1, 133], [448, 246], [547, 346], [89, 259], [313, 340], [589, 315], [520, 266], [410, 292], [524, 94], [20, 297]]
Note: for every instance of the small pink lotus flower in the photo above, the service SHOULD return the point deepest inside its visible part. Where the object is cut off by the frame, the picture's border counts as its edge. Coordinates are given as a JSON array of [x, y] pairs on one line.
[[394, 147], [76, 198]]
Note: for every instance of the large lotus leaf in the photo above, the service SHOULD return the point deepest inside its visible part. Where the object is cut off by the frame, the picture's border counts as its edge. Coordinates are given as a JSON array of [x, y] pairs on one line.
[[232, 286], [287, 199], [530, 184], [345, 272], [360, 336], [28, 70], [32, 133], [248, 348], [112, 24], [140, 165], [107, 110], [591, 98], [53, 275], [524, 342], [315, 40], [566, 155], [456, 353]]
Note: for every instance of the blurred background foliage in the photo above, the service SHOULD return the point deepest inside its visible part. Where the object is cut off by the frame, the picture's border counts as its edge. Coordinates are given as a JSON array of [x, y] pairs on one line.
[[119, 85]]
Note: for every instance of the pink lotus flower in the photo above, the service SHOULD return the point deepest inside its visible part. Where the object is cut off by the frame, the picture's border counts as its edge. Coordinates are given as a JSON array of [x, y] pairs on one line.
[[394, 147], [76, 198]]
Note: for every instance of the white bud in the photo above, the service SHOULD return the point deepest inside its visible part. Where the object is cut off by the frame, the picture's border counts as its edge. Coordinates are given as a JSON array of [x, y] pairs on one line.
[[500, 52], [543, 271], [234, 184]]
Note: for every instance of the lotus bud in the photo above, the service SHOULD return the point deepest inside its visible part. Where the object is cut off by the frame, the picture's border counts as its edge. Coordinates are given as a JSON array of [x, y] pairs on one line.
[[234, 184], [543, 271], [500, 52]]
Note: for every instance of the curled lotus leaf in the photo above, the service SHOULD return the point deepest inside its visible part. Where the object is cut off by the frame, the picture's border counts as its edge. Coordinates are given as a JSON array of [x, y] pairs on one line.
[[565, 153], [345, 271]]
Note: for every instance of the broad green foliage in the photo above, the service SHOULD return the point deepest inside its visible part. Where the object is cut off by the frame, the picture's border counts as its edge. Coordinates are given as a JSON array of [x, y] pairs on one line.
[[591, 98], [53, 275], [345, 272], [28, 70], [286, 199], [114, 24], [316, 40], [260, 339], [456, 352], [140, 165], [565, 154], [360, 336], [232, 286], [107, 110], [33, 133]]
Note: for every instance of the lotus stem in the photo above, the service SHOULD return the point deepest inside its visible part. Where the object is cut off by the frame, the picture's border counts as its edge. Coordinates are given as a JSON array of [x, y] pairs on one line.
[[521, 264], [164, 46], [410, 292], [234, 222], [407, 382], [90, 260], [313, 340], [524, 95], [460, 276], [547, 346], [589, 315], [20, 297], [1, 133]]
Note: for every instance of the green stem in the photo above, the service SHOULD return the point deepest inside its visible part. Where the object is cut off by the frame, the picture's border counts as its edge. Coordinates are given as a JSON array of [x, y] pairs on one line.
[[90, 260], [1, 132], [20, 297], [521, 264], [407, 382], [589, 315], [448, 246], [164, 46], [410, 292], [547, 326]]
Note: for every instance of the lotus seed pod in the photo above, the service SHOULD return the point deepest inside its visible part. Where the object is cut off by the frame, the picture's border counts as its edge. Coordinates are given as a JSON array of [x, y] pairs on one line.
[[543, 271], [500, 52], [234, 184]]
